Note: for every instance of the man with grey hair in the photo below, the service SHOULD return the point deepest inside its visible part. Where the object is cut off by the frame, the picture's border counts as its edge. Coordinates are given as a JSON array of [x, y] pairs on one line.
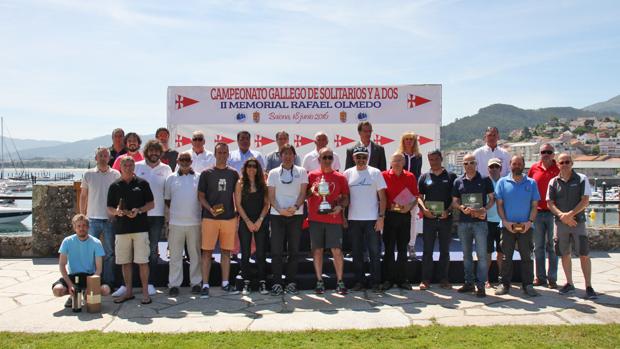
[[93, 199], [118, 145], [273, 159], [491, 150], [202, 158], [311, 160]]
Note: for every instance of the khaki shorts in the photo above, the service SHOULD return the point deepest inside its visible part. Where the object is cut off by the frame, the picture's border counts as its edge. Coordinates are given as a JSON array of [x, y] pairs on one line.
[[132, 247], [219, 229]]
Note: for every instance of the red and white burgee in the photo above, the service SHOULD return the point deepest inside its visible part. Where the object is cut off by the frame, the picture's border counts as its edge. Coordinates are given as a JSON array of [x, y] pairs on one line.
[[423, 140], [416, 101], [182, 102], [261, 141], [222, 139], [340, 140], [181, 141], [300, 141], [381, 140]]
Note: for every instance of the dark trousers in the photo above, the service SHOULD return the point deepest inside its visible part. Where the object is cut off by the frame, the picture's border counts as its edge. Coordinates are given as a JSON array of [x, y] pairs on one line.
[[363, 236], [526, 247], [156, 228], [396, 232], [245, 242], [442, 230], [289, 229]]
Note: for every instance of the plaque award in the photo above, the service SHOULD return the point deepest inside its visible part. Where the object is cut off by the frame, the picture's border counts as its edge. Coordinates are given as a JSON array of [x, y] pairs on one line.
[[436, 207], [219, 209], [473, 201]]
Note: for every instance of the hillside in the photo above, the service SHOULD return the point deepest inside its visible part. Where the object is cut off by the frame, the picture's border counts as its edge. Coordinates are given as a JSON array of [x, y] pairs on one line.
[[506, 118], [612, 105]]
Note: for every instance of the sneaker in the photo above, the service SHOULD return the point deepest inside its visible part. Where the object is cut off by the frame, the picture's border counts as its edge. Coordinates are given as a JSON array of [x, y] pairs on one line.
[[590, 294], [424, 285], [230, 289], [376, 288], [276, 290], [553, 285], [386, 285], [196, 289], [173, 292], [539, 282], [341, 288], [480, 292], [502, 290], [466, 288], [406, 286], [566, 289], [291, 288], [69, 302], [120, 292], [152, 290], [204, 293], [530, 291], [445, 284], [320, 287], [488, 284], [246, 288], [358, 287], [262, 287]]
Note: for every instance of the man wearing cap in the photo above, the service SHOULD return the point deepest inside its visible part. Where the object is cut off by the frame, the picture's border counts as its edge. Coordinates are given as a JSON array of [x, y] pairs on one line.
[[472, 195], [494, 224], [567, 198], [435, 188], [366, 215], [542, 172], [491, 150], [517, 197]]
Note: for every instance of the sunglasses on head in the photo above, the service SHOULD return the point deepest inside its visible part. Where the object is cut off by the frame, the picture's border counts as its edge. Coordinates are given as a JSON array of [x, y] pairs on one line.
[[567, 162], [327, 157], [198, 139], [547, 152]]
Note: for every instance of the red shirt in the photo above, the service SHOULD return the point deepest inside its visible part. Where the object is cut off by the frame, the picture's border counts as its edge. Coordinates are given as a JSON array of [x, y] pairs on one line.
[[542, 178], [117, 163], [338, 185], [396, 184]]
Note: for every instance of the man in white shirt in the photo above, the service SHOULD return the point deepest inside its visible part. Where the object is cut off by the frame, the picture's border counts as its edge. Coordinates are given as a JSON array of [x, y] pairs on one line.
[[93, 203], [489, 151], [366, 215], [237, 157], [152, 170], [311, 160], [181, 196], [202, 159]]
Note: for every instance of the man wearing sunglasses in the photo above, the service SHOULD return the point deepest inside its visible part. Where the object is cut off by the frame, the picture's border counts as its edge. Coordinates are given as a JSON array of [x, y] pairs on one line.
[[202, 158], [494, 224], [491, 150], [567, 198], [472, 195], [542, 172], [366, 215], [326, 227]]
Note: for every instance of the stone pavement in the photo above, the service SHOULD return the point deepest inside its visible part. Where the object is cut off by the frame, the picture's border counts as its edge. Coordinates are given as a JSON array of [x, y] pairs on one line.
[[27, 304]]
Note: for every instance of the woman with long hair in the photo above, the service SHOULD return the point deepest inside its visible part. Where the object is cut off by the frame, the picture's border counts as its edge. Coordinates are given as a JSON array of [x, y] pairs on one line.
[[410, 148], [252, 204]]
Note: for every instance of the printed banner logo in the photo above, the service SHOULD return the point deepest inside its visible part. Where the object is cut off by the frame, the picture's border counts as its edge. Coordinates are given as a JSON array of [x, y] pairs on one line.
[[342, 140], [181, 141], [261, 141], [416, 101], [182, 102], [300, 141], [381, 140], [222, 139]]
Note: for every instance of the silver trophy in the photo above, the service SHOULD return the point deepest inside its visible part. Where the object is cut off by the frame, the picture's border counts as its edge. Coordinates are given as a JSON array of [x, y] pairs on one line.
[[324, 191]]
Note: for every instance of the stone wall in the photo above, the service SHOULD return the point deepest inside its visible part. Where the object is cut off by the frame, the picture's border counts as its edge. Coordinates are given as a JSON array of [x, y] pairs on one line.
[[53, 206], [15, 246], [604, 239]]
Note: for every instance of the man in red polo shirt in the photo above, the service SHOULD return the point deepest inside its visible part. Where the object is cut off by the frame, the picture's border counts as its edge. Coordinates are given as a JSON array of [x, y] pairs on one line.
[[326, 227], [402, 193], [542, 172]]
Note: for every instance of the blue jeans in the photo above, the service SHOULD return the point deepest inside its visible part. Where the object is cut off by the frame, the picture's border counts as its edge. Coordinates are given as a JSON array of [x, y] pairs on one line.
[[543, 242], [363, 236], [97, 228], [156, 226], [468, 233]]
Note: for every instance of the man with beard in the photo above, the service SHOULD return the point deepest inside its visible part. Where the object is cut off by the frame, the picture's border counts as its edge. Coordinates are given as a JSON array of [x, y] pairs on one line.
[[152, 170], [517, 197], [132, 145], [118, 145], [169, 157]]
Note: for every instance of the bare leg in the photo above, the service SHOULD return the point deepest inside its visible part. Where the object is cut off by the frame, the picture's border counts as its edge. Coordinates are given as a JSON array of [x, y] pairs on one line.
[[225, 265], [567, 265], [338, 262], [144, 279], [586, 267], [128, 278], [206, 265], [60, 290], [317, 260]]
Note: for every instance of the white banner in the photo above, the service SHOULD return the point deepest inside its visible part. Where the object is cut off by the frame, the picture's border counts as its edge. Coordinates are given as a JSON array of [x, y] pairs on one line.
[[220, 112]]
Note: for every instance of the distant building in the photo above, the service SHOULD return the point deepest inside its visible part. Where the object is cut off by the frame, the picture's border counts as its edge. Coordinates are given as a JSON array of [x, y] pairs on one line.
[[610, 146], [529, 150]]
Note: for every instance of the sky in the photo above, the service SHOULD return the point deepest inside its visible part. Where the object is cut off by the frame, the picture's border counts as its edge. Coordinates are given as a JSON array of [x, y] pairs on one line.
[[73, 70]]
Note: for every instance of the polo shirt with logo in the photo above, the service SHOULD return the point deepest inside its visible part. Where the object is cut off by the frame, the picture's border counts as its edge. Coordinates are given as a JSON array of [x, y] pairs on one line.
[[437, 187], [477, 184], [517, 197], [567, 194], [542, 177]]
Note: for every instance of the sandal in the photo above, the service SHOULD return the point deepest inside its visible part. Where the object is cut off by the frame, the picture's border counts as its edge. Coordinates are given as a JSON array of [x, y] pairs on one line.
[[123, 299], [148, 301]]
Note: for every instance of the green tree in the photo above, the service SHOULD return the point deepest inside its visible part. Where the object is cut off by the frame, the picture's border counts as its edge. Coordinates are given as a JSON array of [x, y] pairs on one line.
[[596, 150]]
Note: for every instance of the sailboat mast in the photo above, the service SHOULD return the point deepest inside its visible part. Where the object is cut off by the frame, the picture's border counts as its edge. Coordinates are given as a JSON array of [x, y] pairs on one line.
[[2, 147]]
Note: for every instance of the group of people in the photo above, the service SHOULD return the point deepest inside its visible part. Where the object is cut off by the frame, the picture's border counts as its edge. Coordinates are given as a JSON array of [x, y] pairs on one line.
[[245, 201]]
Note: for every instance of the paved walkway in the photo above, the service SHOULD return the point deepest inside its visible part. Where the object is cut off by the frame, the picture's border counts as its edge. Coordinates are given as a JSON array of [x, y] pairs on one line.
[[26, 304]]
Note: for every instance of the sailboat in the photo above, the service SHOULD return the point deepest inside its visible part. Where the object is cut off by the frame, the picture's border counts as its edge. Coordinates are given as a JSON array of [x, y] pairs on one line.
[[7, 186]]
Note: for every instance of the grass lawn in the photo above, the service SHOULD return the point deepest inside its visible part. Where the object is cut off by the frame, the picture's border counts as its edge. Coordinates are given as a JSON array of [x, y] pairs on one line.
[[579, 336]]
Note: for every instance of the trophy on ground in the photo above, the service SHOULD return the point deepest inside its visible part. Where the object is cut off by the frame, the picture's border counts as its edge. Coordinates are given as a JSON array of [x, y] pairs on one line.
[[93, 294], [79, 286]]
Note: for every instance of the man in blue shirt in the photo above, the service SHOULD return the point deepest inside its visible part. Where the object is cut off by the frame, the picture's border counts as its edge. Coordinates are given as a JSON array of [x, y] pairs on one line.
[[237, 157], [80, 253], [517, 197]]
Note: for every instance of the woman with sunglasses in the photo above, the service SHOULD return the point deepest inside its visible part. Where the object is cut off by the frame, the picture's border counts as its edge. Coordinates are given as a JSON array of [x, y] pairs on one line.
[[252, 204], [410, 148]]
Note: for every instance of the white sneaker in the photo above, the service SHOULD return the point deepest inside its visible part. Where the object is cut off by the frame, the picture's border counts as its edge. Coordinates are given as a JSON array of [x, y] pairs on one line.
[[152, 290], [120, 292]]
